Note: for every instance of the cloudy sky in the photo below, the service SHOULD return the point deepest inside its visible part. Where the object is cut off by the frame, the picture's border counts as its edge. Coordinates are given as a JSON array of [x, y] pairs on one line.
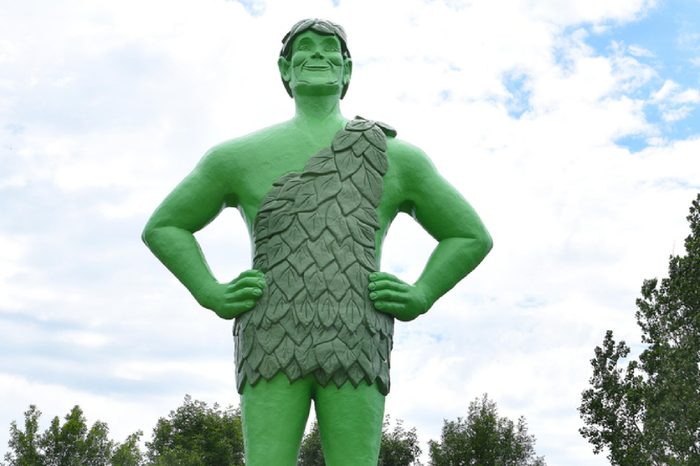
[[572, 126]]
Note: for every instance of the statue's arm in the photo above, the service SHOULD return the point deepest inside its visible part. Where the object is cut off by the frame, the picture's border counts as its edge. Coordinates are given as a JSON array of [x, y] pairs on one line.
[[463, 240], [169, 234]]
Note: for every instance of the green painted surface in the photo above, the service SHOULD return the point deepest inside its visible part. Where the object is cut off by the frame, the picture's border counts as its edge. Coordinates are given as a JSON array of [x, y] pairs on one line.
[[254, 173]]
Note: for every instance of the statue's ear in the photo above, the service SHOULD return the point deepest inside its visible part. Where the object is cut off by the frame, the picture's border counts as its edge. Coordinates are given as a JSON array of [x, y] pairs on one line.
[[284, 67], [347, 70]]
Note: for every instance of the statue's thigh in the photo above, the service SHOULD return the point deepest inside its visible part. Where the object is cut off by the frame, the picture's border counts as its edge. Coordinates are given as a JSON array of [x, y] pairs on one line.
[[274, 415], [350, 422]]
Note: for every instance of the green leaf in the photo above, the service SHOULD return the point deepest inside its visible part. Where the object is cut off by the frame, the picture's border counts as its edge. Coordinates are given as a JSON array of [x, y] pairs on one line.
[[272, 204], [315, 283], [343, 353], [320, 164], [269, 339], [327, 357], [387, 129], [349, 198], [289, 190], [361, 233], [377, 159], [355, 374], [337, 283], [305, 313], [279, 221], [268, 367], [352, 337], [300, 258], [359, 124], [326, 186], [277, 251], [369, 183], [344, 253], [306, 199], [314, 222], [376, 137], [285, 352], [295, 235], [336, 223], [360, 146], [344, 139], [347, 163], [365, 257], [290, 283], [327, 310], [351, 310], [293, 371], [358, 280], [320, 251]]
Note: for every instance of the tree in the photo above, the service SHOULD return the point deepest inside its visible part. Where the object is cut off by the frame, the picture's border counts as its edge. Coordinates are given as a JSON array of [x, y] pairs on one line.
[[484, 439], [196, 435], [73, 444], [24, 445], [68, 444], [399, 447], [648, 413], [311, 452], [128, 453]]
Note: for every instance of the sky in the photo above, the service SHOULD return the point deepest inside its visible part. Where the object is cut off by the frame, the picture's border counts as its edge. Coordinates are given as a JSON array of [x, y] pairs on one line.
[[571, 126]]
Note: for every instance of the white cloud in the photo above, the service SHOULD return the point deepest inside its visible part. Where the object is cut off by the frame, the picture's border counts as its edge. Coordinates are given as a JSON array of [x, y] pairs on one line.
[[639, 51], [597, 11], [669, 88], [674, 103]]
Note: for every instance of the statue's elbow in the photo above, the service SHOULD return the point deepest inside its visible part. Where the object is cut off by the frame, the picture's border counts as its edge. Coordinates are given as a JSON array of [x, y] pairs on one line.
[[149, 231], [485, 243]]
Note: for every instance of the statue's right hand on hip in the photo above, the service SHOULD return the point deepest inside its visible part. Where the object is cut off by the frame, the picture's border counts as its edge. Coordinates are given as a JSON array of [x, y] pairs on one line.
[[229, 300]]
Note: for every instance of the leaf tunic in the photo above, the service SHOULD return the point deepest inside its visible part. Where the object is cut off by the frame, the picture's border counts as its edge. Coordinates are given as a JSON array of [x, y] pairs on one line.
[[315, 240]]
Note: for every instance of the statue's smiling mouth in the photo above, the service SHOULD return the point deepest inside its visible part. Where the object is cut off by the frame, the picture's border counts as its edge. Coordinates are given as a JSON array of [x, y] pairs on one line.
[[317, 67]]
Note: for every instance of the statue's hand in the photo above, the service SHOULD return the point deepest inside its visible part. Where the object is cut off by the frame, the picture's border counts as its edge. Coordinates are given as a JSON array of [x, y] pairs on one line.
[[229, 300], [395, 297]]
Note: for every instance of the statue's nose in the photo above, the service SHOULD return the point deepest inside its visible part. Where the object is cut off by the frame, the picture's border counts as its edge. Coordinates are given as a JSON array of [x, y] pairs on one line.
[[317, 54]]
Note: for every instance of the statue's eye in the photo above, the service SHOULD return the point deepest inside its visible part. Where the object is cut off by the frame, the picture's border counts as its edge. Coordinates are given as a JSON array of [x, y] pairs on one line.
[[331, 48]]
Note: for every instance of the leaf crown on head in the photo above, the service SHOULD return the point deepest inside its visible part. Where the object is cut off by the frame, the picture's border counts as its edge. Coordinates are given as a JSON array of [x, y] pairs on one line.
[[322, 26]]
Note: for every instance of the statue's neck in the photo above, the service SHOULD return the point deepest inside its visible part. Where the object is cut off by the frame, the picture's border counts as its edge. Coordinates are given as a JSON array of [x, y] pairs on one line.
[[318, 111]]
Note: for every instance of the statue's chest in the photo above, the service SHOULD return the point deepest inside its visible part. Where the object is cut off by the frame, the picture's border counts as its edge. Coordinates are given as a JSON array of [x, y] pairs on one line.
[[267, 166], [335, 194]]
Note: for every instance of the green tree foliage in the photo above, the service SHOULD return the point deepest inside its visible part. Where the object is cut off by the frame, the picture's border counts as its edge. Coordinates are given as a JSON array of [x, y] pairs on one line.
[[311, 453], [399, 447], [128, 453], [648, 413], [484, 439], [24, 445], [197, 435], [67, 444]]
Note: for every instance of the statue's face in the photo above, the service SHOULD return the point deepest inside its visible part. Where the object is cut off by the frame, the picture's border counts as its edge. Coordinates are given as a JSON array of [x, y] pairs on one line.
[[317, 65]]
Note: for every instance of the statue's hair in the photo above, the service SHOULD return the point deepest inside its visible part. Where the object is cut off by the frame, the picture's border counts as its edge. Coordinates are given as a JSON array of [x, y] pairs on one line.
[[321, 26]]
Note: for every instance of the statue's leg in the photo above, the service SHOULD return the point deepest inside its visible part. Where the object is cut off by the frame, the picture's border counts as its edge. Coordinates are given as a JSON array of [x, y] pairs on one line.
[[274, 415], [350, 423]]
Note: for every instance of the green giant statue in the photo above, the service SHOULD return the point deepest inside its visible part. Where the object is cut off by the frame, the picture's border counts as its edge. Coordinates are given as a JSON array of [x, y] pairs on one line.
[[314, 315]]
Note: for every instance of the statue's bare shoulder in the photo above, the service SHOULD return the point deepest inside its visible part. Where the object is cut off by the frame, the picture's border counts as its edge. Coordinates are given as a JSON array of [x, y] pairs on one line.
[[242, 152], [410, 170], [231, 163]]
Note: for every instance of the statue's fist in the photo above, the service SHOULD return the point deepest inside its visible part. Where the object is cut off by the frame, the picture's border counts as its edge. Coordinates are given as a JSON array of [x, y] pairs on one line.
[[229, 300], [395, 297]]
